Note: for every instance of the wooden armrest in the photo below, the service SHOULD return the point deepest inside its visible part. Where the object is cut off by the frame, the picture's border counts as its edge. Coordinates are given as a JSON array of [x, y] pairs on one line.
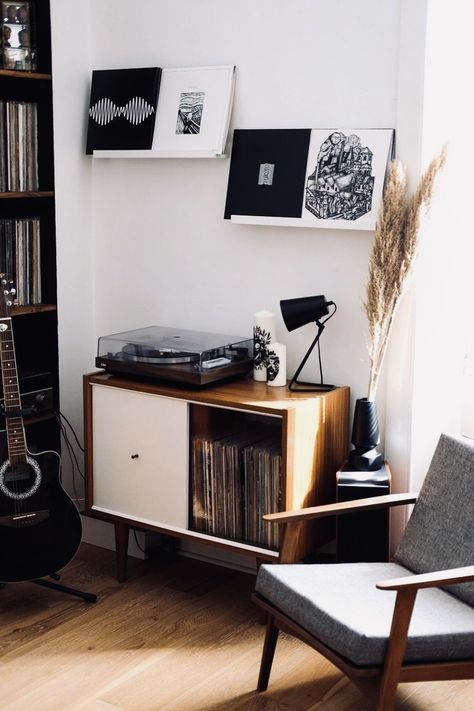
[[374, 502], [430, 580]]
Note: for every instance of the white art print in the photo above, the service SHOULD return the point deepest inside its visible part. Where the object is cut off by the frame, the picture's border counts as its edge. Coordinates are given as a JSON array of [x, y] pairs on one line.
[[345, 176], [194, 109]]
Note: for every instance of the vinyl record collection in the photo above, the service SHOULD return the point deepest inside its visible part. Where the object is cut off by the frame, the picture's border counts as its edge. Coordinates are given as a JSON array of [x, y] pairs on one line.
[[20, 258], [236, 479], [18, 146]]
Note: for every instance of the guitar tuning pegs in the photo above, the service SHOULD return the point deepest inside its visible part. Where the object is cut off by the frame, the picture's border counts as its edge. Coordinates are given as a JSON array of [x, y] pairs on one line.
[[12, 292], [9, 303]]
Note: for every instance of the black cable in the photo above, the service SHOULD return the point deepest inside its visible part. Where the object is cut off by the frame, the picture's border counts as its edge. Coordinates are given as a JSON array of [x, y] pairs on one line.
[[70, 448], [72, 430], [72, 458], [136, 541]]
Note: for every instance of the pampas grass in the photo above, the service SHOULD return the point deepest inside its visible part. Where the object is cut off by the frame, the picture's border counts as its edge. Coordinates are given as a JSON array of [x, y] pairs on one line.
[[393, 255]]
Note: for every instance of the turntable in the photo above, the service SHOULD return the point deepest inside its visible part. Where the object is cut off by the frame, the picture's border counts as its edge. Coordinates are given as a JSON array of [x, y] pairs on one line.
[[175, 355]]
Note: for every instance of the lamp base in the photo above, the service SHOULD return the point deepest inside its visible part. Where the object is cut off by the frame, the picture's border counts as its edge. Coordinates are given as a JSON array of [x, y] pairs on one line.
[[297, 387]]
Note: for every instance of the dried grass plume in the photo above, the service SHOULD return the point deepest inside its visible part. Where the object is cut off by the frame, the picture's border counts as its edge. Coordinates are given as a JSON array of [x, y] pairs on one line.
[[393, 255]]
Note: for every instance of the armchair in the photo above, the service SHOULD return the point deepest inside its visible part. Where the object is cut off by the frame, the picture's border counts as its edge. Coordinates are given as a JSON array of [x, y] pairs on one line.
[[385, 623]]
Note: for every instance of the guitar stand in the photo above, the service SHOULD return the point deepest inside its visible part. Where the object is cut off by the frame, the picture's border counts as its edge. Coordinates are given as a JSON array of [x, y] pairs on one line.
[[88, 597]]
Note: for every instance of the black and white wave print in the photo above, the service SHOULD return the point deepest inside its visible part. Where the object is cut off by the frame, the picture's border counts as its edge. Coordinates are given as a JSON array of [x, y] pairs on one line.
[[135, 111]]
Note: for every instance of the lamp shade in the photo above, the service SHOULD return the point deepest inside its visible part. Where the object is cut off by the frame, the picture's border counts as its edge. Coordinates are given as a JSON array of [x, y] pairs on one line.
[[299, 312]]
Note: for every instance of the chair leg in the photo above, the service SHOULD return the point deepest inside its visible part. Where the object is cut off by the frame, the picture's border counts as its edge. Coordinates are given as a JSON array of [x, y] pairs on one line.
[[271, 637], [396, 649]]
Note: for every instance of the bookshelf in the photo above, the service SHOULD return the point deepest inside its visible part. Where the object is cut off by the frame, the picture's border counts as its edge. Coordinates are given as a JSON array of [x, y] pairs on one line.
[[159, 458], [27, 203]]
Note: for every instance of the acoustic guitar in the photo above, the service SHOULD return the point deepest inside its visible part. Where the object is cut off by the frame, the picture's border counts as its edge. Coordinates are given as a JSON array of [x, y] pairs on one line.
[[40, 527]]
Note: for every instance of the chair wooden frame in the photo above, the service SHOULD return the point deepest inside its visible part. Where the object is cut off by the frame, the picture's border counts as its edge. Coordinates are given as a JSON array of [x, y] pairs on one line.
[[380, 683]]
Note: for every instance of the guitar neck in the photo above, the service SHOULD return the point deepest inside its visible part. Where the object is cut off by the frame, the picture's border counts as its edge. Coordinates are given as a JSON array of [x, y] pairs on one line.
[[16, 440]]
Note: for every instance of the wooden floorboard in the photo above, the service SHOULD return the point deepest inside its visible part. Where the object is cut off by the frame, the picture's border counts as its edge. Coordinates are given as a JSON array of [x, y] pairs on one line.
[[179, 635]]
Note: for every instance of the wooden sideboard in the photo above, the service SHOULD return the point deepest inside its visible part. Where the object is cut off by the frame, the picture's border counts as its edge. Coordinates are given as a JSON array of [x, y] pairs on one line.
[[204, 464]]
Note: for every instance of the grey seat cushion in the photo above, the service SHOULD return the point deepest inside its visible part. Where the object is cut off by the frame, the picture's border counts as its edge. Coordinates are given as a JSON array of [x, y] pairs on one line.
[[340, 605], [440, 532]]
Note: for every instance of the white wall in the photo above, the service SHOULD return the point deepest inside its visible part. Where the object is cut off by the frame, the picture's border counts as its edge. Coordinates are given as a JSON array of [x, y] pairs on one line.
[[444, 287], [163, 253], [144, 242]]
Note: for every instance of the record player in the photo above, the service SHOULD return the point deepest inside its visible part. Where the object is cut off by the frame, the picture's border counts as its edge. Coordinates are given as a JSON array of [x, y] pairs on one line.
[[175, 355]]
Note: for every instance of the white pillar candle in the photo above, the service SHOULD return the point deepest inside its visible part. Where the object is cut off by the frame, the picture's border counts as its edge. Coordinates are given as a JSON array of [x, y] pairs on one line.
[[264, 327], [276, 365]]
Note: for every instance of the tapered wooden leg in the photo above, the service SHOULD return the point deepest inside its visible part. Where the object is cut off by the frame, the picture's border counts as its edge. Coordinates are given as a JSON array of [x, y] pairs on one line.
[[396, 649], [121, 550], [271, 637]]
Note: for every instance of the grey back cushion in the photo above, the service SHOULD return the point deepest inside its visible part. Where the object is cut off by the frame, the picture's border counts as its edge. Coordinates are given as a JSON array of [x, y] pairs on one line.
[[440, 532]]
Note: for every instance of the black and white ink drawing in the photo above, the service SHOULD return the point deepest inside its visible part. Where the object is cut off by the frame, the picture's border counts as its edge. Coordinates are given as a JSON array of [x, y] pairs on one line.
[[190, 109], [341, 186], [261, 341], [273, 365]]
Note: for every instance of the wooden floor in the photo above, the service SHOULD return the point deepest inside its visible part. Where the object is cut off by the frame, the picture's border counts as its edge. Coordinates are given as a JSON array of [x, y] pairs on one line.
[[180, 635]]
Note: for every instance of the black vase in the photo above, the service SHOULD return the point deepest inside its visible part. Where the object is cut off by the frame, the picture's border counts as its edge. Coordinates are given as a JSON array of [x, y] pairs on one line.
[[365, 438]]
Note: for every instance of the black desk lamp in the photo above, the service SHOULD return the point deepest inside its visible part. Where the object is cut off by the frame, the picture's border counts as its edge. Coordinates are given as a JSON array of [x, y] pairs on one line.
[[299, 312]]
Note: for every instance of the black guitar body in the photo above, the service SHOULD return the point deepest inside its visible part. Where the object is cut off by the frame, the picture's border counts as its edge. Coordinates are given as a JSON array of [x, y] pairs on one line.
[[40, 527]]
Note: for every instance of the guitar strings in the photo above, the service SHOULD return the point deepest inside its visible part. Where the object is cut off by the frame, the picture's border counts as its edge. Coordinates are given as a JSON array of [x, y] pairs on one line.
[[14, 487]]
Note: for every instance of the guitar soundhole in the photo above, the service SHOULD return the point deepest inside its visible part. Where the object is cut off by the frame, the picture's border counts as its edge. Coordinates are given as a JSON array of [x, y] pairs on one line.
[[20, 481]]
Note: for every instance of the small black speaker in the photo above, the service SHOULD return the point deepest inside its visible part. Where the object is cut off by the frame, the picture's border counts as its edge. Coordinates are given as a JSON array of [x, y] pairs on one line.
[[363, 536]]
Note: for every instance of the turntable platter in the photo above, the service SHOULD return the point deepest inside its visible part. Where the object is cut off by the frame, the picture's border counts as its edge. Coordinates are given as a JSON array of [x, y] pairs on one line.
[[162, 356]]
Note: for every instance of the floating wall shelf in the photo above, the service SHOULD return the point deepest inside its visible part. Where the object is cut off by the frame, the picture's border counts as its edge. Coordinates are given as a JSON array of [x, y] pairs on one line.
[[298, 222], [158, 154]]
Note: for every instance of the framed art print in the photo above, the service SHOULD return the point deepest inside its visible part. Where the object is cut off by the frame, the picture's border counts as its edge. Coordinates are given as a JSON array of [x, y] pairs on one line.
[[345, 176], [194, 110], [122, 109], [267, 172]]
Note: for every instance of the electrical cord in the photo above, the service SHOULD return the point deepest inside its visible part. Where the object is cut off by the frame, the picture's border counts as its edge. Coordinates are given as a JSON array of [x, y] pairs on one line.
[[70, 448], [72, 430], [136, 541], [75, 467]]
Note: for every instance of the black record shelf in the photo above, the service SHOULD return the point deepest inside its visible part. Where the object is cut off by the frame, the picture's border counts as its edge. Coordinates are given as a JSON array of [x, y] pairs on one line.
[[26, 194], [32, 309], [24, 75], [35, 324]]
